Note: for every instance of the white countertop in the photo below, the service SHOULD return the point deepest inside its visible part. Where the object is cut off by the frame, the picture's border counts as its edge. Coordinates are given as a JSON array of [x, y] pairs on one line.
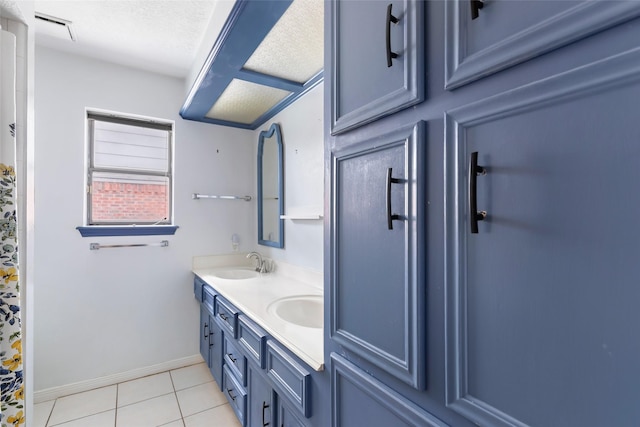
[[253, 296]]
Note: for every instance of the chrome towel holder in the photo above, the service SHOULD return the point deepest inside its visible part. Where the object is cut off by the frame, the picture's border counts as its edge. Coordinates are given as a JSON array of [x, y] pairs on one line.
[[197, 196], [96, 246]]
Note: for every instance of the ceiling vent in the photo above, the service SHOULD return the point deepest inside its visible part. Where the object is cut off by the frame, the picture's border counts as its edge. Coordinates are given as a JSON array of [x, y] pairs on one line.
[[55, 27]]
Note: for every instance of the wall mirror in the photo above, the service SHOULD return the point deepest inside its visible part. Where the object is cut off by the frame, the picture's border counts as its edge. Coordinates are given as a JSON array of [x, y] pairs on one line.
[[270, 188]]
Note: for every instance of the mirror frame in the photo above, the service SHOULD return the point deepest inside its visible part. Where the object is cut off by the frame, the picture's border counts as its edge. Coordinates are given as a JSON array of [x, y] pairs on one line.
[[266, 134]]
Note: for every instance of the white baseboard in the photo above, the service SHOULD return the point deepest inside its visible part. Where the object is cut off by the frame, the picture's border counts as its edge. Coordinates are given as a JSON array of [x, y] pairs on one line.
[[65, 390]]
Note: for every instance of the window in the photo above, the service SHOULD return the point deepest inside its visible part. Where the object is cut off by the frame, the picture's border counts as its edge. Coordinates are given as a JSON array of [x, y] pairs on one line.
[[129, 173]]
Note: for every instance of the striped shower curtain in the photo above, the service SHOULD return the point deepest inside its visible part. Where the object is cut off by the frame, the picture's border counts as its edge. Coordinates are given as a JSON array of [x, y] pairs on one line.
[[11, 387]]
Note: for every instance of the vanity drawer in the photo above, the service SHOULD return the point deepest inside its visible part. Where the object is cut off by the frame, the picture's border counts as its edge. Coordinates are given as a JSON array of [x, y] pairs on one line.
[[226, 316], [208, 297], [289, 378], [252, 339], [235, 360], [236, 394], [197, 288]]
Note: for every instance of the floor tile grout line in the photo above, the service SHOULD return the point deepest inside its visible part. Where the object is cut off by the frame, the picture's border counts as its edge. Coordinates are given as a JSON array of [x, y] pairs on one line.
[[194, 386], [175, 393], [151, 398], [115, 417], [173, 384], [115, 409], [179, 406], [170, 422], [208, 409], [76, 419], [147, 399], [46, 424], [55, 402]]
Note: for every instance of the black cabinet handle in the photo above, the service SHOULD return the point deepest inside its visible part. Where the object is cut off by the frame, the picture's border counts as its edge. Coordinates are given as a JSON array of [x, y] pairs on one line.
[[205, 331], [474, 171], [211, 334], [390, 19], [390, 216], [264, 406], [476, 5], [222, 316], [229, 390], [230, 356]]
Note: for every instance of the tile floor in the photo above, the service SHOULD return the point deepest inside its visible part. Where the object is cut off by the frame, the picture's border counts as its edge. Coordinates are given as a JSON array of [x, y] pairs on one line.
[[185, 397]]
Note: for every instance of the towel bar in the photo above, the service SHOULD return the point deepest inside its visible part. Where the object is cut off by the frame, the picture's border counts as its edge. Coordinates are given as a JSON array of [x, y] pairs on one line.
[[204, 196], [96, 246]]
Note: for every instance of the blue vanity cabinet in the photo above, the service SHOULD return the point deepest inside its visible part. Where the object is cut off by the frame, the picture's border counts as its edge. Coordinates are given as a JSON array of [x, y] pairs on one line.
[[265, 383], [377, 279], [378, 59]]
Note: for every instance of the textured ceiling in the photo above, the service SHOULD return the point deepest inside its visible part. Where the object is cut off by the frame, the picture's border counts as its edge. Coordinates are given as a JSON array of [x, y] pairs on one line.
[[9, 9], [157, 35]]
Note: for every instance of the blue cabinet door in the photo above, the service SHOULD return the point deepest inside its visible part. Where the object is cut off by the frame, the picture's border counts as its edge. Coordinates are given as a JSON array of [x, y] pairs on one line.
[[260, 410], [542, 302], [287, 417], [216, 340], [358, 399], [365, 86], [507, 33], [205, 324], [377, 277]]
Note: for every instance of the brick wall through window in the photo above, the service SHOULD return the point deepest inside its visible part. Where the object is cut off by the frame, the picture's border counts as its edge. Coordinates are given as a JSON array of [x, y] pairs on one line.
[[129, 201]]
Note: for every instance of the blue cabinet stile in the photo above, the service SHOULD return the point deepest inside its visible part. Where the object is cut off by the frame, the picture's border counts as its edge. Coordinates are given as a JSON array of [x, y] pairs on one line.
[[211, 338], [504, 293]]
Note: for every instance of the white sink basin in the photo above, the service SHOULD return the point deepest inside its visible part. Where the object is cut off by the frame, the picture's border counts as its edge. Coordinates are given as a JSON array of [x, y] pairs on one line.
[[235, 274], [301, 310]]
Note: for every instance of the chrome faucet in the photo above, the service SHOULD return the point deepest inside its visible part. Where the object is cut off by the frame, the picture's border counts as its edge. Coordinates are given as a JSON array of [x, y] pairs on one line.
[[260, 267]]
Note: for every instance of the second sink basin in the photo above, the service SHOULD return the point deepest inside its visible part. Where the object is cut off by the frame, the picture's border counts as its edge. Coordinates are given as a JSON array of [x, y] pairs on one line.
[[235, 273], [302, 310]]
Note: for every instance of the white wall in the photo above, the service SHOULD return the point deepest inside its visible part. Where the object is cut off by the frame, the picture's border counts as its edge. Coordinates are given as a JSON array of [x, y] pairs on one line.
[[104, 312], [303, 139]]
